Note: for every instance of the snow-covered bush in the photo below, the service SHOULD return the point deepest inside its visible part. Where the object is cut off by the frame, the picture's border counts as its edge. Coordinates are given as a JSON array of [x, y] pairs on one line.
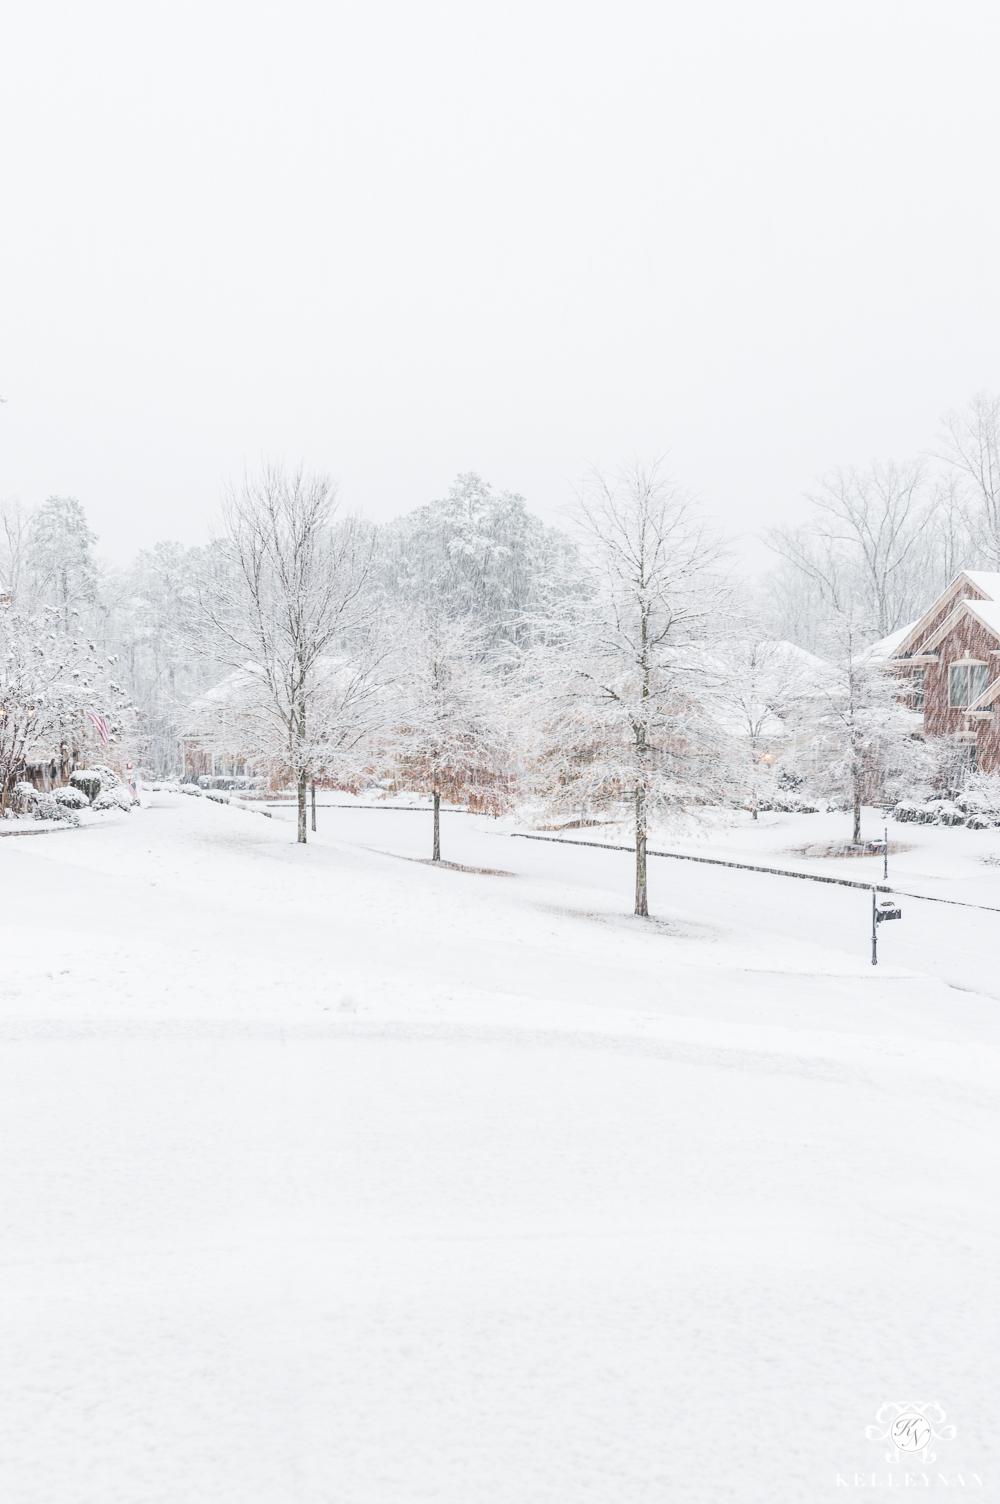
[[218, 795], [192, 788], [229, 782], [981, 795], [87, 780], [977, 806], [46, 807], [786, 804], [119, 798], [71, 798], [23, 798], [109, 778]]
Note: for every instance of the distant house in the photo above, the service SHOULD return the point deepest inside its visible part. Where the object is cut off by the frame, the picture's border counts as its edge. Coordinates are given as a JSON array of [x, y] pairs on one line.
[[206, 742], [951, 658]]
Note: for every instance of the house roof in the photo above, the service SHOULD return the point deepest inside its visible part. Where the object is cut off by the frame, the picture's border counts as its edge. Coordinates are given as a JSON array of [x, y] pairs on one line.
[[889, 645], [987, 613], [983, 580], [913, 637]]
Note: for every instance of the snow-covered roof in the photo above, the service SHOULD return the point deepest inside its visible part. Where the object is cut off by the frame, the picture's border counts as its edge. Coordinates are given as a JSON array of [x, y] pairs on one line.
[[985, 581], [987, 613], [793, 654], [778, 652], [226, 687], [888, 645]]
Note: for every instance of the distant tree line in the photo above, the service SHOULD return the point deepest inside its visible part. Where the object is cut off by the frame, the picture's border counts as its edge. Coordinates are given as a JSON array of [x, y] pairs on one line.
[[612, 670]]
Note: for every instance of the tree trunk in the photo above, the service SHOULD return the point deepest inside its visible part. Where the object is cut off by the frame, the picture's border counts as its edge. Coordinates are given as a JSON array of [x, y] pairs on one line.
[[641, 906], [857, 812], [437, 827], [314, 808], [302, 809]]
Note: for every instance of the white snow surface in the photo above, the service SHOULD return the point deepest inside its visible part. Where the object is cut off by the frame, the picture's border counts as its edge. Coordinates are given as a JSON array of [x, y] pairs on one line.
[[331, 1176]]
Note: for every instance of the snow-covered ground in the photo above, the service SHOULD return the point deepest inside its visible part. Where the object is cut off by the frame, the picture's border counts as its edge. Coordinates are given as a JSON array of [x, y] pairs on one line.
[[331, 1176]]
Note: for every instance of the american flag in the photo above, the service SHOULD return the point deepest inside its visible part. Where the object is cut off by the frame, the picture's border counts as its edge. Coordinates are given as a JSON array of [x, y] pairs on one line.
[[101, 724]]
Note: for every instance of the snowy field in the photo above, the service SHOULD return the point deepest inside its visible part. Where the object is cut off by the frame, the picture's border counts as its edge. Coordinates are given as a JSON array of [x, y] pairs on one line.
[[331, 1177]]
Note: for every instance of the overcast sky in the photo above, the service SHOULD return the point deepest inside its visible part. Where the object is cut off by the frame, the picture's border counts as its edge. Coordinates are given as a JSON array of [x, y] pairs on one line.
[[399, 241]]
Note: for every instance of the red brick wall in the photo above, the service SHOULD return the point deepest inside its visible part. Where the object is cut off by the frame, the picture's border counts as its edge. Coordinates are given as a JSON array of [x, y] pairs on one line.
[[968, 640], [988, 745]]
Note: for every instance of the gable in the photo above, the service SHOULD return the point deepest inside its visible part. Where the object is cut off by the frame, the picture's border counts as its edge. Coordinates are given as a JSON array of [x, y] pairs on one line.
[[985, 614], [970, 585]]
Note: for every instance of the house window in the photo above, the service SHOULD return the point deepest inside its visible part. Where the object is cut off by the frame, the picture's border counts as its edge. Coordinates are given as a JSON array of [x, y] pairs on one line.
[[966, 682], [917, 689]]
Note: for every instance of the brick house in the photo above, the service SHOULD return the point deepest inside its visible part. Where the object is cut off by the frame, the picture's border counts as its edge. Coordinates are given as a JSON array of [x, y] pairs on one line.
[[951, 657]]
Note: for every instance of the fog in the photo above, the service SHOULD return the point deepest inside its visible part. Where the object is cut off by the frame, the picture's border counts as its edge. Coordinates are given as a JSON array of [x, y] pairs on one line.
[[399, 242]]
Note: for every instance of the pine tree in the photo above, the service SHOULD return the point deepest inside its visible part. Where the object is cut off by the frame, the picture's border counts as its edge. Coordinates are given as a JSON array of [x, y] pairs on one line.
[[60, 558]]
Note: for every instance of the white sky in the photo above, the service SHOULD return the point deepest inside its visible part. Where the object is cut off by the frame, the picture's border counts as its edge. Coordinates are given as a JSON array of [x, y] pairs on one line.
[[402, 240]]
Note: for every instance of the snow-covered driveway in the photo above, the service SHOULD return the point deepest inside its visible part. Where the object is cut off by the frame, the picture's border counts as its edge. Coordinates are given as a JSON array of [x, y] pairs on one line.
[[330, 1177]]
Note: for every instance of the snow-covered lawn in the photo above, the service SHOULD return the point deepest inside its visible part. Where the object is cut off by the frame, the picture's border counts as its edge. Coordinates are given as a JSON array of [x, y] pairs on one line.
[[329, 1176]]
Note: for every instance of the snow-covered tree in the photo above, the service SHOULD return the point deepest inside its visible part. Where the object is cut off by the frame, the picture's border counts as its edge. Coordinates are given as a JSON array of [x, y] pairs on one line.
[[760, 687], [285, 606], [450, 733], [59, 557], [477, 554], [863, 548], [623, 683], [149, 619], [860, 740], [50, 686], [15, 522], [971, 447]]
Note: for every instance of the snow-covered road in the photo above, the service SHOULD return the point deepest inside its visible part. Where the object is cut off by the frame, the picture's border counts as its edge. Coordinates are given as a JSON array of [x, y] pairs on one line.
[[329, 1176]]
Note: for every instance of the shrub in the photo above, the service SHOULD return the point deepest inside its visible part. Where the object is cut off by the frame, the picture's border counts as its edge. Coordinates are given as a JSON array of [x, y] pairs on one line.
[[24, 798], [118, 798], [71, 798], [88, 781]]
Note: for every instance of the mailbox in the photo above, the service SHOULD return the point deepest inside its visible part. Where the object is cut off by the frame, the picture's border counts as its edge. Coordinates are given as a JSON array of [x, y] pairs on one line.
[[884, 910]]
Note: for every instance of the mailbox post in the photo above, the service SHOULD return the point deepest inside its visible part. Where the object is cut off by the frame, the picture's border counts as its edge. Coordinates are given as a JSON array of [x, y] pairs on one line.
[[880, 911]]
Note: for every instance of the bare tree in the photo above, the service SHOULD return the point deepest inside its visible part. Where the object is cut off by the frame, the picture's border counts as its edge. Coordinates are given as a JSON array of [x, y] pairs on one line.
[[623, 673], [949, 546], [285, 605], [14, 525], [972, 445], [862, 548]]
